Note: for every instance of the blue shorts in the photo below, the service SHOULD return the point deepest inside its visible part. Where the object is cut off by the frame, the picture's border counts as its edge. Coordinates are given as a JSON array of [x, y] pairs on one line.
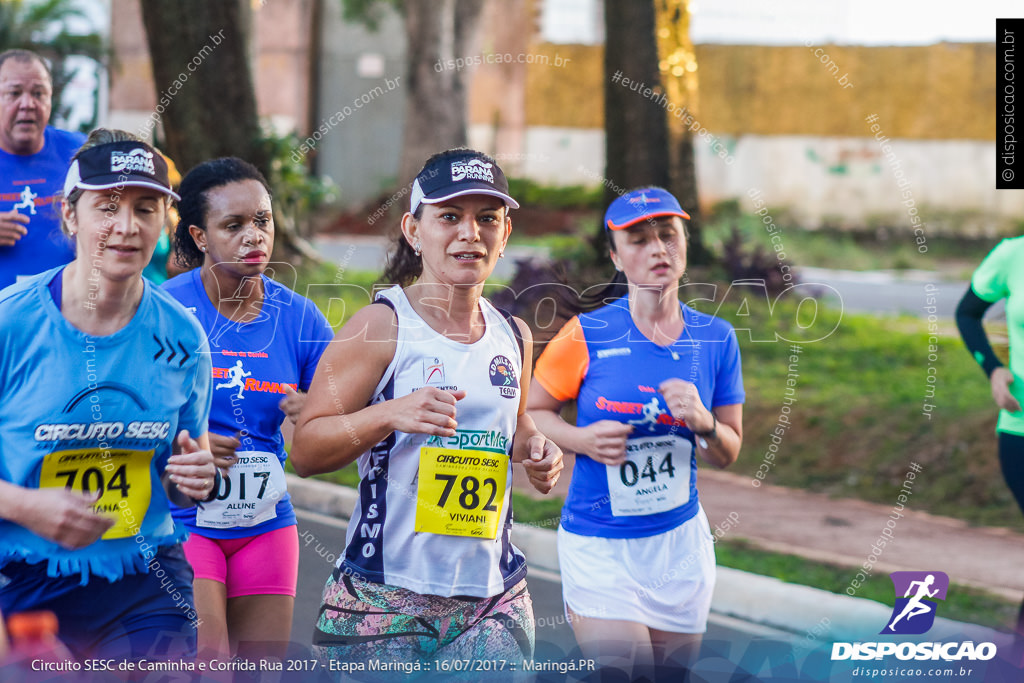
[[138, 616]]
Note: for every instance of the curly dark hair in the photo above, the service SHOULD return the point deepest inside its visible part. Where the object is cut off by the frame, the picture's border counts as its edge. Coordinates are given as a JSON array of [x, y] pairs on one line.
[[193, 204]]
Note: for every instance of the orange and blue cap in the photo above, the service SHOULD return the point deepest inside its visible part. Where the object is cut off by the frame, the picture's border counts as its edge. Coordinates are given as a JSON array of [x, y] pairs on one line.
[[639, 205]]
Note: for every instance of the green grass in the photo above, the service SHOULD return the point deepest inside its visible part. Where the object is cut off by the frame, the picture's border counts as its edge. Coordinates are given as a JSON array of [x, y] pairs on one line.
[[849, 250], [529, 192], [855, 427], [824, 248], [961, 604], [859, 418], [337, 291]]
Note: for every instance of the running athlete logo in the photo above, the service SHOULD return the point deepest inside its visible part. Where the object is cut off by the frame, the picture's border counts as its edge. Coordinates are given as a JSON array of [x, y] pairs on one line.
[[237, 375], [644, 199], [503, 376], [433, 371], [651, 412], [28, 200], [914, 612]]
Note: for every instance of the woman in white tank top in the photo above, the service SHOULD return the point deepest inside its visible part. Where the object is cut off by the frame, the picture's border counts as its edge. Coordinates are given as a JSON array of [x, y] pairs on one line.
[[426, 389]]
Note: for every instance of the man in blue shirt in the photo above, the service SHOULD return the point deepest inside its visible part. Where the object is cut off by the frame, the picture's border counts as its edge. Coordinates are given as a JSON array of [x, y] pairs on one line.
[[34, 159]]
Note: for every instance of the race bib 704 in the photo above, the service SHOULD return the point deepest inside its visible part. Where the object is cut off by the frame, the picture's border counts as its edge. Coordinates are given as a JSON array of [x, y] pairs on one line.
[[119, 474]]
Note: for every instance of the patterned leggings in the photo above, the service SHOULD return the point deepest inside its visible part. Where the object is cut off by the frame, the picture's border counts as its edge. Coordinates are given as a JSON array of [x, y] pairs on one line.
[[369, 622]]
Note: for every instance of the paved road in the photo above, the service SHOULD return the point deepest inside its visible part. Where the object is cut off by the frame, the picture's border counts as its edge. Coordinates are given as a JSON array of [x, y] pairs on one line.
[[321, 538], [917, 292]]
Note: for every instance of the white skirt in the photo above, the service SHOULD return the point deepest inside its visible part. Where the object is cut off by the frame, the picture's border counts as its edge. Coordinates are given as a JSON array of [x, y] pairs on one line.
[[663, 581]]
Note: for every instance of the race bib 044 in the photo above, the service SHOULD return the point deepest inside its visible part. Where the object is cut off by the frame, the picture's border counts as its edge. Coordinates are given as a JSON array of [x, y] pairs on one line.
[[655, 476], [248, 494], [460, 492], [120, 475]]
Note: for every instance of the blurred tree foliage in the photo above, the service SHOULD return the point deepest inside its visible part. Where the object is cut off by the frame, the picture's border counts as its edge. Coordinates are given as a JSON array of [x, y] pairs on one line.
[[197, 128], [42, 27]]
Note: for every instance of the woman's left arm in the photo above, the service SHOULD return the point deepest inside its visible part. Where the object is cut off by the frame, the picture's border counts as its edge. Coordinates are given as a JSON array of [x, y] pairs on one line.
[[541, 458], [719, 431], [722, 447]]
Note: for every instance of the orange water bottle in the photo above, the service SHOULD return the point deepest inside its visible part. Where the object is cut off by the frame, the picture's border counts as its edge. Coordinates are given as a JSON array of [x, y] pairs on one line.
[[35, 646]]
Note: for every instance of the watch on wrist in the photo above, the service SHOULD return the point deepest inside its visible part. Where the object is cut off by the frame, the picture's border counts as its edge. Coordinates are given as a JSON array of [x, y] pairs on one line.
[[711, 433]]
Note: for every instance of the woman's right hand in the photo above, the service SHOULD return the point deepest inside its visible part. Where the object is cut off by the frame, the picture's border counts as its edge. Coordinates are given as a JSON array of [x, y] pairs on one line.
[[223, 449], [605, 441], [1001, 380], [63, 516], [427, 411]]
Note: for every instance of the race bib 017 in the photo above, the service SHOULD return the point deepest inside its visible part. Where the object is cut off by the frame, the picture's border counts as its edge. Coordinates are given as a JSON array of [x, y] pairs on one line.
[[248, 494], [460, 492], [120, 475]]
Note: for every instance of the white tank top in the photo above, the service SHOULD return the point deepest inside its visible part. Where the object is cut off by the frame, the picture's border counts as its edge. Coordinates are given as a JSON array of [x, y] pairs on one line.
[[434, 513]]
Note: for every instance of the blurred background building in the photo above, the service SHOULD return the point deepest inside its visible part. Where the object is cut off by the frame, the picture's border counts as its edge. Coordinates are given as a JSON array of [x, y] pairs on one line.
[[785, 88]]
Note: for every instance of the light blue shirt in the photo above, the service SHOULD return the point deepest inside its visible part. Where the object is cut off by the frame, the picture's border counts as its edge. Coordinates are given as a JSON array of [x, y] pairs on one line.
[[97, 413]]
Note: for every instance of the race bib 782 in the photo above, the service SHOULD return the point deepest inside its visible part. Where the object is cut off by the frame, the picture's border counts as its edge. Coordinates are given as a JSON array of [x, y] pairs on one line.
[[460, 492]]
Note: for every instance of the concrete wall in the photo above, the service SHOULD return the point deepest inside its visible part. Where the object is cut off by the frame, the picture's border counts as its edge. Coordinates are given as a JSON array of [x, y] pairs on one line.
[[856, 181], [363, 118], [932, 92], [792, 118], [793, 123]]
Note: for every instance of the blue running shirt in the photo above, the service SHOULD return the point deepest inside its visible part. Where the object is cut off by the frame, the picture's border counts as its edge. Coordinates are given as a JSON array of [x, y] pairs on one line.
[[97, 413], [31, 185], [613, 371], [252, 363]]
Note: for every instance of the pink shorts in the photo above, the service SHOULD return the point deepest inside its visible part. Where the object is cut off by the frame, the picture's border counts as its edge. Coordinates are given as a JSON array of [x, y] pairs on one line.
[[265, 564]]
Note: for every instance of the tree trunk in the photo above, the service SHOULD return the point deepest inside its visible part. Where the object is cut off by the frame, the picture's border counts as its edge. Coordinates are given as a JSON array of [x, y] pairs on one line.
[[435, 101], [636, 131], [679, 78], [684, 187], [212, 112]]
